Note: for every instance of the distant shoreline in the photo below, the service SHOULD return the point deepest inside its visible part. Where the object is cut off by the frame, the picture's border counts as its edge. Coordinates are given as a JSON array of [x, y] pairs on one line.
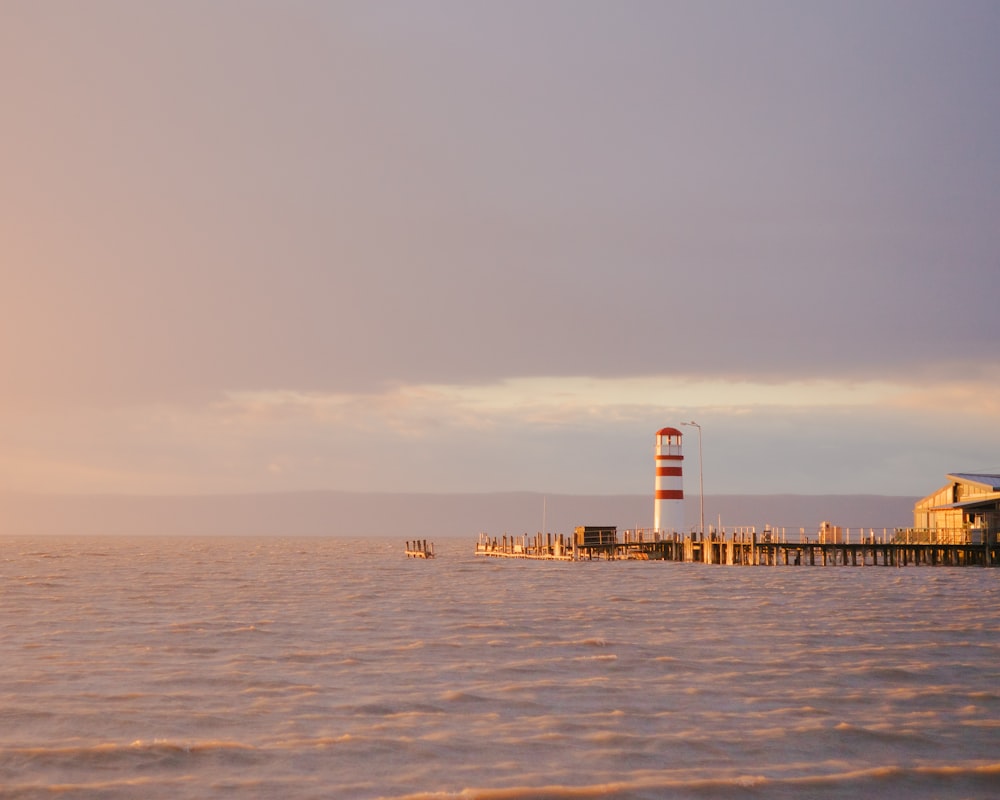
[[326, 513]]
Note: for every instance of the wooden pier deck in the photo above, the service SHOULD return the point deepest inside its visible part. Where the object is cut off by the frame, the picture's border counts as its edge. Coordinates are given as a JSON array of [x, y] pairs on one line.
[[552, 549], [746, 547]]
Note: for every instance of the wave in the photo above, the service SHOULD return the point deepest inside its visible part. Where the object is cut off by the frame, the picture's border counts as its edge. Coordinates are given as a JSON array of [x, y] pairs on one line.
[[68, 765], [887, 782]]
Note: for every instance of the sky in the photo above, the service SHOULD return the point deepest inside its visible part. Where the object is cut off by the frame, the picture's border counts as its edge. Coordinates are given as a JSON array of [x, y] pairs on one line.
[[494, 246]]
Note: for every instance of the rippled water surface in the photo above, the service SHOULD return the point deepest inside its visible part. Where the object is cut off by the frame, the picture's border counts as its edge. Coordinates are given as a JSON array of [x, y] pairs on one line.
[[315, 668]]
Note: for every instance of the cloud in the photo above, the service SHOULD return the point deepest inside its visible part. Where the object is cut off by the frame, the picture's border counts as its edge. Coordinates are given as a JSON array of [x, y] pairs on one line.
[[473, 246], [539, 404], [341, 199], [973, 398], [571, 435]]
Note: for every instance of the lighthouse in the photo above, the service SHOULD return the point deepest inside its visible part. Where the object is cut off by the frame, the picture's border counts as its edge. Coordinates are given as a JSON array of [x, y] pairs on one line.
[[668, 503]]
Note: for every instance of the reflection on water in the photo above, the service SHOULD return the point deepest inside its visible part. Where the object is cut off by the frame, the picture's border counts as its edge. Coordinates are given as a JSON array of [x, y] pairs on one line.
[[310, 668]]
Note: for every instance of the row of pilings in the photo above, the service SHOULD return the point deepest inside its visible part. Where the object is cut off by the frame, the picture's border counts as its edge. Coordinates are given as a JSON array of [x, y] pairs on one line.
[[419, 548]]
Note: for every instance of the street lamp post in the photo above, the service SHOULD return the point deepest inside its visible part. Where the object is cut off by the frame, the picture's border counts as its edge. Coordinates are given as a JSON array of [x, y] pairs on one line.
[[701, 481]]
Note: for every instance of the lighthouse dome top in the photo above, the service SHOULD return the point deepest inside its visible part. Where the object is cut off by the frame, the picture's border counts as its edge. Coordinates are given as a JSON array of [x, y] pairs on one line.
[[668, 432]]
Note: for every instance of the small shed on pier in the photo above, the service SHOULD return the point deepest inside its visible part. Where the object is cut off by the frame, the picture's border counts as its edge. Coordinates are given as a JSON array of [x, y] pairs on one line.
[[596, 535], [967, 509]]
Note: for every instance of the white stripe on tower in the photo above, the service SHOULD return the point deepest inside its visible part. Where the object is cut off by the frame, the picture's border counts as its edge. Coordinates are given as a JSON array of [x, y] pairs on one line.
[[668, 503]]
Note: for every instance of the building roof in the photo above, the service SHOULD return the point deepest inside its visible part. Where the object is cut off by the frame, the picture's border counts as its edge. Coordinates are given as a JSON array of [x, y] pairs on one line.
[[981, 501], [991, 480], [668, 432]]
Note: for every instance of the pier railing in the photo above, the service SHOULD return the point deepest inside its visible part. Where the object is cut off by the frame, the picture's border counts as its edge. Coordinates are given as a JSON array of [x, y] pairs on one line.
[[745, 545], [857, 535]]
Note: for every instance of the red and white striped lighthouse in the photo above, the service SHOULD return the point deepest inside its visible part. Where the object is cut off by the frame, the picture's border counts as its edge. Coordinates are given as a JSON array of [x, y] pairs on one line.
[[668, 505]]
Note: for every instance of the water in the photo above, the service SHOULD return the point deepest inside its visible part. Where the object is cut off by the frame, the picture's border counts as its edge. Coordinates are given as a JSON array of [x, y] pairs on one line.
[[337, 668]]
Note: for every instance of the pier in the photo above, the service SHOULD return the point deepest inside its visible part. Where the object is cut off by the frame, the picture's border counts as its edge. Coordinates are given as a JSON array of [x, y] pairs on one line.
[[419, 549], [746, 547], [548, 547]]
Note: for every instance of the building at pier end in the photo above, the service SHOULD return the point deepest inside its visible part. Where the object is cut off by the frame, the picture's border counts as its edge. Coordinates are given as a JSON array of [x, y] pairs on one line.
[[966, 509]]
